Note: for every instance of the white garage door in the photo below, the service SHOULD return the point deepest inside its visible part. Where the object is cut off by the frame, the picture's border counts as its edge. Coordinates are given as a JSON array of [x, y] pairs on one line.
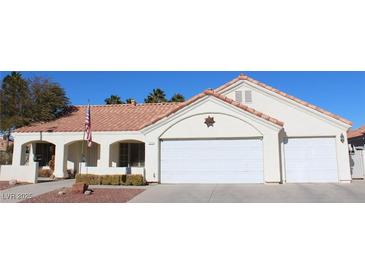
[[212, 161], [310, 160]]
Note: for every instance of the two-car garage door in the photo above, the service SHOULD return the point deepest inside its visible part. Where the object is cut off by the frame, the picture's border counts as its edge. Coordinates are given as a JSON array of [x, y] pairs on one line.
[[212, 161]]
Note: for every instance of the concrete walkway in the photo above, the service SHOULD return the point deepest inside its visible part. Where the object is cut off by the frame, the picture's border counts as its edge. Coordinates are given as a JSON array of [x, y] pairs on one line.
[[22, 192], [253, 193]]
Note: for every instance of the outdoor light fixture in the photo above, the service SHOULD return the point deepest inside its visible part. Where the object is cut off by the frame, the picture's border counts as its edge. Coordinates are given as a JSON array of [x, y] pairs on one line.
[[342, 138]]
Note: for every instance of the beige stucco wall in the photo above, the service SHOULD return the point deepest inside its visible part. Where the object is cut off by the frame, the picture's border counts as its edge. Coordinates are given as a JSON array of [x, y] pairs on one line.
[[298, 121], [63, 140], [231, 122]]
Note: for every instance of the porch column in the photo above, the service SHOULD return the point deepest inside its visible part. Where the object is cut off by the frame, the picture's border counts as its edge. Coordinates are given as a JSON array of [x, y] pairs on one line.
[[32, 151], [17, 153], [104, 155], [59, 170], [272, 166]]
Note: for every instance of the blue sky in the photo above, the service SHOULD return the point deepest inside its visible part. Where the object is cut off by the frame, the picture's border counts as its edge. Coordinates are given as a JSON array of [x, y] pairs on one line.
[[342, 93]]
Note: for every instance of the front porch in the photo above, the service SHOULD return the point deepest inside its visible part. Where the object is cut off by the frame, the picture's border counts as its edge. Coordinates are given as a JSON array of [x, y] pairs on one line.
[[65, 160]]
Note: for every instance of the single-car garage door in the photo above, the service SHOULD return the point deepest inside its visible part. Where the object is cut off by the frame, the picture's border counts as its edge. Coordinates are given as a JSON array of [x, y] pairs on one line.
[[310, 160], [212, 161]]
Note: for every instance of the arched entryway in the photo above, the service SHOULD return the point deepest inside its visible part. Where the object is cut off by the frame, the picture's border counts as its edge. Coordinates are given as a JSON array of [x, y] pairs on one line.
[[78, 152], [38, 151], [43, 153]]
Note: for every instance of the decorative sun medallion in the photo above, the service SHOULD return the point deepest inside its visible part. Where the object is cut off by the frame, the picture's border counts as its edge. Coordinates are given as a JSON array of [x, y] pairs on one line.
[[209, 121]]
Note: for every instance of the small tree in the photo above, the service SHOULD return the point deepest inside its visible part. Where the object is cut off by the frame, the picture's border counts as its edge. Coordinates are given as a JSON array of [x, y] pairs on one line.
[[113, 99], [156, 96], [178, 97]]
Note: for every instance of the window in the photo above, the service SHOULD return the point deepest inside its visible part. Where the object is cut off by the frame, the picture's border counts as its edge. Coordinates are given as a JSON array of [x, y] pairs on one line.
[[238, 96], [248, 96], [132, 155]]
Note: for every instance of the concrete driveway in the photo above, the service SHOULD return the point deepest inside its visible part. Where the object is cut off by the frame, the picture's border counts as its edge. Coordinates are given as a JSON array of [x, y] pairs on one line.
[[253, 193]]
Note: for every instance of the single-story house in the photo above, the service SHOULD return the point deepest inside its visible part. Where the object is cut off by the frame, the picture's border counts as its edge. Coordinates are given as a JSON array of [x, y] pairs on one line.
[[241, 132], [356, 140]]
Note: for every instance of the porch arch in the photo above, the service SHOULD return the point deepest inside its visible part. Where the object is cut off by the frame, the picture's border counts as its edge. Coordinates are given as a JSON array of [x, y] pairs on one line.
[[77, 151], [40, 151]]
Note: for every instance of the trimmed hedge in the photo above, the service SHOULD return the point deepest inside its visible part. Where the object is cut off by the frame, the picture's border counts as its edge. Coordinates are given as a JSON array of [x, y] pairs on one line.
[[126, 180]]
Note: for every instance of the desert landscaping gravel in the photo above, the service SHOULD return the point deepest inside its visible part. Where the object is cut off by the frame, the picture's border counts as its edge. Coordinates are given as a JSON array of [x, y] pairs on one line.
[[100, 195], [5, 185]]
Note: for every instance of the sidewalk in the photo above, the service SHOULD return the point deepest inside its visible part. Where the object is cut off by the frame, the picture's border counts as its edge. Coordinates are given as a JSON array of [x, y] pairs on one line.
[[22, 192]]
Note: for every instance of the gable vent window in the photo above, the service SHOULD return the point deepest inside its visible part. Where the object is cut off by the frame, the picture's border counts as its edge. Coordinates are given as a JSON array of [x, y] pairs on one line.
[[238, 96], [248, 96]]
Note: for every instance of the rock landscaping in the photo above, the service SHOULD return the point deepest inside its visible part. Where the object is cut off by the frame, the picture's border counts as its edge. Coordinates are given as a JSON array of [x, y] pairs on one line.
[[8, 184], [97, 195]]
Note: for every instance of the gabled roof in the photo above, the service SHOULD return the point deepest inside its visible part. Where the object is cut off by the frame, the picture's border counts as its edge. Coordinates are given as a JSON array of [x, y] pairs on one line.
[[223, 98], [243, 77], [129, 117], [356, 133]]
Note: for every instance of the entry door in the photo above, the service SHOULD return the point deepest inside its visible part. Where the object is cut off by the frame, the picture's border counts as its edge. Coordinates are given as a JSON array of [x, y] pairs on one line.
[[212, 161], [310, 160]]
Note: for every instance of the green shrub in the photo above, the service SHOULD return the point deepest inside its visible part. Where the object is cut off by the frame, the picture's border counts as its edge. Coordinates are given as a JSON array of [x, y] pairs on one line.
[[94, 179], [115, 179], [105, 179], [135, 180], [126, 180]]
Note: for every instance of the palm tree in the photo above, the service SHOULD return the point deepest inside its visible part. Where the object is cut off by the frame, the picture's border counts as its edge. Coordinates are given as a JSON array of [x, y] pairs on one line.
[[177, 98], [156, 96], [129, 100], [113, 99]]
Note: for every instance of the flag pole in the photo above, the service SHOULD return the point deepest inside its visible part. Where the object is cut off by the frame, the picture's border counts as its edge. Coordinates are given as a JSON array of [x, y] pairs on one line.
[[83, 156]]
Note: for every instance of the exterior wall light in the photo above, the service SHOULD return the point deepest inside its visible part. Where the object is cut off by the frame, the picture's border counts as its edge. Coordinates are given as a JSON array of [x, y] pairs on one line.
[[342, 138]]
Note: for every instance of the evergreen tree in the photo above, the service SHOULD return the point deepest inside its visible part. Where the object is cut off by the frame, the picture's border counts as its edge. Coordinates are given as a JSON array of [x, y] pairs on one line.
[[49, 99], [15, 103]]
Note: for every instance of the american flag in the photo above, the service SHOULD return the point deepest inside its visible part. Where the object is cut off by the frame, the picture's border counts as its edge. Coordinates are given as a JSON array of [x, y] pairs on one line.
[[88, 126]]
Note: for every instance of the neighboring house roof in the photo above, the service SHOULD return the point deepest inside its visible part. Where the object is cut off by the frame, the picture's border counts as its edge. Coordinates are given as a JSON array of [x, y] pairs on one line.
[[129, 117], [356, 133], [246, 78]]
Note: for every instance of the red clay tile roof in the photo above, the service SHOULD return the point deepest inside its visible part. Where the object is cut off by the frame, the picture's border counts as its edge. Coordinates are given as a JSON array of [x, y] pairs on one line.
[[128, 117], [221, 97], [244, 107], [125, 117], [246, 78], [356, 133]]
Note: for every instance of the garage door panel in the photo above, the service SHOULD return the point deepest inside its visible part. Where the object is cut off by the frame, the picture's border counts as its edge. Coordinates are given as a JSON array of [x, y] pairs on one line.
[[310, 160], [211, 161]]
